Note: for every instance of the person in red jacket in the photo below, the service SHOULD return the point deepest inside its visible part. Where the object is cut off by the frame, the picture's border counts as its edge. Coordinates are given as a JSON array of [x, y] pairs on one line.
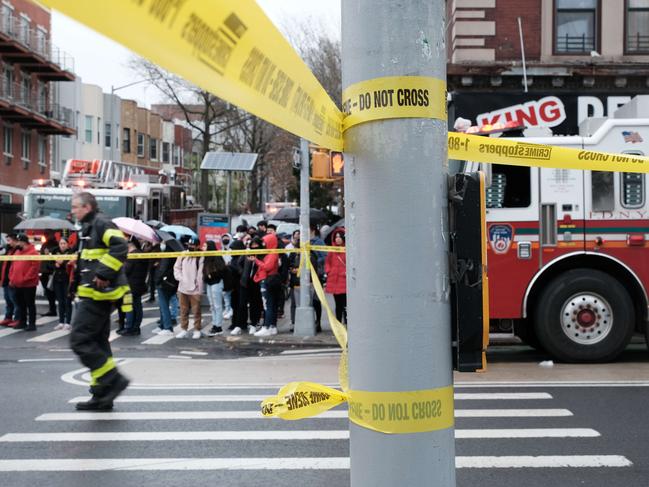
[[336, 270], [23, 276], [271, 283]]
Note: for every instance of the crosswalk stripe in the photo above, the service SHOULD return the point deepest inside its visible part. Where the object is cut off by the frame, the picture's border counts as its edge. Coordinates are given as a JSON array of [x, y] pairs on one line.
[[48, 337], [257, 397], [188, 415], [279, 435], [145, 322], [542, 461], [162, 339], [8, 331], [293, 463], [44, 320], [466, 396]]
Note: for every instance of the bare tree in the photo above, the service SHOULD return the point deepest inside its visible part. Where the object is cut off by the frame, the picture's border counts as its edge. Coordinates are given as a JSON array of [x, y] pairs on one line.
[[207, 115]]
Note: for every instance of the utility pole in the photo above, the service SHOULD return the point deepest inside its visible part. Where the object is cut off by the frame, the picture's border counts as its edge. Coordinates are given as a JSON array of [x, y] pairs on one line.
[[397, 245], [304, 317]]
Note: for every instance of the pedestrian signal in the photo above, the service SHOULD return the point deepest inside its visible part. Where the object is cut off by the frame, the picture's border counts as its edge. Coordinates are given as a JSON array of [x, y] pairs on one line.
[[337, 164], [321, 166]]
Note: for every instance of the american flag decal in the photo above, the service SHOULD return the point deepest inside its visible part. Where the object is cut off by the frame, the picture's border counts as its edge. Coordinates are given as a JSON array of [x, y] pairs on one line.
[[633, 137]]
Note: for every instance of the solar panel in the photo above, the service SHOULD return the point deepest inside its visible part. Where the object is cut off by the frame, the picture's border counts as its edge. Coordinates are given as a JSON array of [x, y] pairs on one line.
[[229, 161]]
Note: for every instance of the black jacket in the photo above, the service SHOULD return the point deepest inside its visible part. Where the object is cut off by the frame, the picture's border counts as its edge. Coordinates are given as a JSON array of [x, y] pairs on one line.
[[102, 253], [164, 276], [137, 271]]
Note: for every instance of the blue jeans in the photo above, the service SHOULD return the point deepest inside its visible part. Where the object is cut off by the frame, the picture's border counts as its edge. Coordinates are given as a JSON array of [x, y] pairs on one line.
[[134, 318], [227, 297], [165, 302], [270, 297], [11, 310], [215, 297], [63, 301], [174, 306]]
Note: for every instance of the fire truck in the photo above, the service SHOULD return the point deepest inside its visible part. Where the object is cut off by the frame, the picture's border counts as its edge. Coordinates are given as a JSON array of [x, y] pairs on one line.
[[121, 190], [568, 250]]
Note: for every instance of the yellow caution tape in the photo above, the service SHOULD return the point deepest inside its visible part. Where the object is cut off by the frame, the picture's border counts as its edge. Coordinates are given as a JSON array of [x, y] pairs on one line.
[[522, 153], [299, 400], [403, 412], [230, 49], [394, 97]]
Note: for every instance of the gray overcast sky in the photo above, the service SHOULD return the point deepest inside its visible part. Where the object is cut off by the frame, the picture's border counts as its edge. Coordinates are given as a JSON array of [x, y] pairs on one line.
[[99, 60]]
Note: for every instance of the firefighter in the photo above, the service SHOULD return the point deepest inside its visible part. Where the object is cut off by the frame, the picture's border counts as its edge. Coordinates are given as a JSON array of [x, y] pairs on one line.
[[99, 282]]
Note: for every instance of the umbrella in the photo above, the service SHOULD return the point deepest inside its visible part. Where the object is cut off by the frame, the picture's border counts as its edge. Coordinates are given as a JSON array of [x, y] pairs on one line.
[[45, 223], [327, 236], [293, 215], [180, 230], [137, 228], [155, 224], [170, 241]]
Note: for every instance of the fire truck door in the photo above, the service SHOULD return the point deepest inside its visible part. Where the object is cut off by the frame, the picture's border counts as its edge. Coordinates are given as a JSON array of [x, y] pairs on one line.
[[561, 213], [155, 208]]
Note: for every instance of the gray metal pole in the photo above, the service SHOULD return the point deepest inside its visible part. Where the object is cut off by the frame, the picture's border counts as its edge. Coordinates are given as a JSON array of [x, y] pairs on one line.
[[304, 316], [396, 219], [228, 189]]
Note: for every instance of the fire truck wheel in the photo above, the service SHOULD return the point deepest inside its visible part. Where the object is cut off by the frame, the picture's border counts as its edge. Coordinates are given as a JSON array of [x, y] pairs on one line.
[[584, 315]]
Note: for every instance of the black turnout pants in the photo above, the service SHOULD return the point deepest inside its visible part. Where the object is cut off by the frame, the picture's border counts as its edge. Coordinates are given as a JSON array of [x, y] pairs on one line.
[[49, 294], [90, 331]]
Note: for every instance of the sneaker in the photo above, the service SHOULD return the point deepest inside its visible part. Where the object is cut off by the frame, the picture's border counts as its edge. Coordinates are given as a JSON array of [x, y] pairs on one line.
[[263, 332], [214, 331], [67, 327], [236, 331], [251, 329], [182, 334], [157, 330], [60, 326], [227, 314], [165, 332], [273, 330], [197, 334]]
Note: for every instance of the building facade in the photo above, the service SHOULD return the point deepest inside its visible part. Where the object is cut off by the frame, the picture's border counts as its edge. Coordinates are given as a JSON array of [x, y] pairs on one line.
[[547, 62], [29, 115]]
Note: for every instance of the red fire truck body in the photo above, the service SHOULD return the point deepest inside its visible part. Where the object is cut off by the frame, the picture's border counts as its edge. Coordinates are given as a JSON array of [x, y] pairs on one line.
[[568, 250]]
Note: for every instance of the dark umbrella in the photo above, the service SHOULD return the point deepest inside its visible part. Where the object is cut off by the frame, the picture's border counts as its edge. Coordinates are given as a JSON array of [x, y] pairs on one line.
[[155, 224], [293, 215], [170, 241], [45, 223]]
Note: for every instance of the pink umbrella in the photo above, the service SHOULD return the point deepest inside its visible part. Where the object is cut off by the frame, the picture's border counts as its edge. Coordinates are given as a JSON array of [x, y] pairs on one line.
[[137, 228]]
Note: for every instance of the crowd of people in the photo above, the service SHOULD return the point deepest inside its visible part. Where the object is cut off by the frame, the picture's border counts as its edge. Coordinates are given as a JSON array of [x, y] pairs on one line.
[[249, 291]]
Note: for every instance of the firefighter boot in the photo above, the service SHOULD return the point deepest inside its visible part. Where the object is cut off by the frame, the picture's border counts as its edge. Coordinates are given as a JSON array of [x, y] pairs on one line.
[[113, 384], [96, 403]]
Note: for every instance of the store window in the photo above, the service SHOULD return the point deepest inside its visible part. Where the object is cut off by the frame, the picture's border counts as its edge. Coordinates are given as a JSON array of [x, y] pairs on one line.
[[575, 26], [637, 26]]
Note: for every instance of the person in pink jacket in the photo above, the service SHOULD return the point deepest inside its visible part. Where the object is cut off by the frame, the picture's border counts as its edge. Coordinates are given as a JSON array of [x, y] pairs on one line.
[[188, 271], [336, 270], [23, 276]]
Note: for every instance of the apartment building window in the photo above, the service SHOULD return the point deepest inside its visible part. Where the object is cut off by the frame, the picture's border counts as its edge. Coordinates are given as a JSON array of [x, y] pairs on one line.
[[176, 151], [575, 26], [140, 145], [165, 152], [637, 26], [23, 34], [26, 140], [42, 151], [126, 141], [99, 131], [7, 18], [8, 81], [42, 97], [117, 136], [41, 41], [26, 88], [89, 129], [107, 135], [153, 149], [8, 144]]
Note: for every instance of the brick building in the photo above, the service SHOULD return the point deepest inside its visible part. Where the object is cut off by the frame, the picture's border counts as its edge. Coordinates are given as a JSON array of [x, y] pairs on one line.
[[582, 57], [28, 114]]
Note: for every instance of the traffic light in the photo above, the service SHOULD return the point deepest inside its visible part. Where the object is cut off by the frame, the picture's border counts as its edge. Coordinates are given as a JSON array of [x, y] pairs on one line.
[[337, 165], [469, 285]]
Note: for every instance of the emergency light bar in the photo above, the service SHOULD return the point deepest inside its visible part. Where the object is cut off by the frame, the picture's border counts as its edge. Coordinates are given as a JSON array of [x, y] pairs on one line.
[[495, 128]]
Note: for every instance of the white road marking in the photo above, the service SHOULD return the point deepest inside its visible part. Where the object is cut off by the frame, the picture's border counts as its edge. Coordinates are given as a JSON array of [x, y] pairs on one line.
[[586, 383], [185, 357], [543, 461], [189, 415], [44, 320], [8, 331], [190, 352], [486, 396], [511, 413], [293, 463], [48, 337], [101, 464], [527, 433], [47, 360], [145, 322], [310, 351], [276, 435]]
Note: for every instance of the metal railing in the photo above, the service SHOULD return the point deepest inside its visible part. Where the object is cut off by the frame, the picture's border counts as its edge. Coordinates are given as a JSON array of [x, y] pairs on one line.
[[637, 43], [16, 94], [19, 30], [582, 43]]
